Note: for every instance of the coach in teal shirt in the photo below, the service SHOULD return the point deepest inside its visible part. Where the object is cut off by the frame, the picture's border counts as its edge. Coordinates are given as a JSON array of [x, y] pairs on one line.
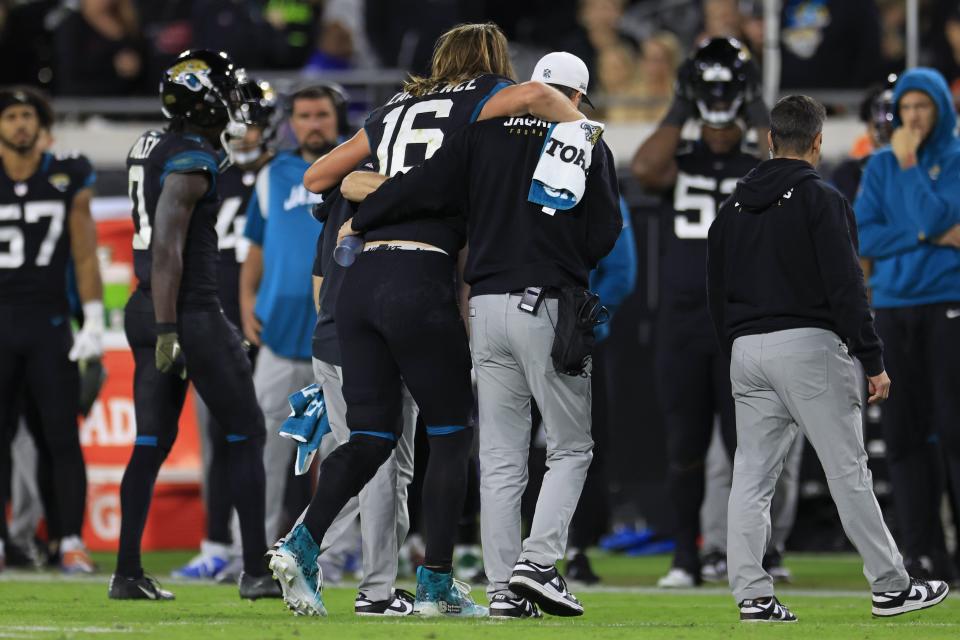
[[276, 294]]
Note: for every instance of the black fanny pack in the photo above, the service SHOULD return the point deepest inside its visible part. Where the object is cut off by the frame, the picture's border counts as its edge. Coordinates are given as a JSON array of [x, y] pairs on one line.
[[579, 311]]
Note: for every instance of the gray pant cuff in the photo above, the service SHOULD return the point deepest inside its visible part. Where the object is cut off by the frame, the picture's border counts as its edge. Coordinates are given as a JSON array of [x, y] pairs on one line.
[[376, 592], [753, 594], [544, 559], [897, 584]]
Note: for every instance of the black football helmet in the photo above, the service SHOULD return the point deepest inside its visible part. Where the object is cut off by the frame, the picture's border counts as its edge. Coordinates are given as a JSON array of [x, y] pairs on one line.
[[720, 78], [258, 109], [206, 89], [880, 111]]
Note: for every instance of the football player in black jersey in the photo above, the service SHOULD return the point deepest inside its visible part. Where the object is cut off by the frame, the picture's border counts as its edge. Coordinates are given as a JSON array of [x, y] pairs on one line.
[[247, 154], [408, 271], [173, 320], [44, 222], [718, 86]]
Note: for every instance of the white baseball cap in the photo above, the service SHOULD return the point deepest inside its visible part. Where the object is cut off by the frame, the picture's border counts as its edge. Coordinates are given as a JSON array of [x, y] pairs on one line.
[[564, 69]]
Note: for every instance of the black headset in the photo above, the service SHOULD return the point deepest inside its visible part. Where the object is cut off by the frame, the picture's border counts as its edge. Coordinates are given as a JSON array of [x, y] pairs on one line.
[[337, 96]]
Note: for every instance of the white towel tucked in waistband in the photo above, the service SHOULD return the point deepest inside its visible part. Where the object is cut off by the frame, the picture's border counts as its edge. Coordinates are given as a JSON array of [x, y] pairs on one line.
[[561, 174]]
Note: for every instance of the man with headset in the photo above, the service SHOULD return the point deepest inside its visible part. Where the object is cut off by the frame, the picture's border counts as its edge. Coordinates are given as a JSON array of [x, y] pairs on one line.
[[276, 299]]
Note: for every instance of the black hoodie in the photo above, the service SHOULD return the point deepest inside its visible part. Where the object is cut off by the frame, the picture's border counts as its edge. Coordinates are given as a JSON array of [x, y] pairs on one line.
[[782, 255]]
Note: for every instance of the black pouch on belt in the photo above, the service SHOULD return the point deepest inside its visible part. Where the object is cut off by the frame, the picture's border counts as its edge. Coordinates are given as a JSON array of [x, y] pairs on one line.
[[579, 311]]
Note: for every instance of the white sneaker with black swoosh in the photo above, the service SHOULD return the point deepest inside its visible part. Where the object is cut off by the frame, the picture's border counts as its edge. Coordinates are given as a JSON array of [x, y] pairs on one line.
[[919, 595], [400, 605], [765, 610], [545, 587], [505, 606]]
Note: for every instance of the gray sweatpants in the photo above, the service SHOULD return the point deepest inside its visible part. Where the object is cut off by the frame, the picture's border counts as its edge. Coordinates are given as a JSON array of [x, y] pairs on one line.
[[274, 379], [511, 358], [782, 381], [384, 520]]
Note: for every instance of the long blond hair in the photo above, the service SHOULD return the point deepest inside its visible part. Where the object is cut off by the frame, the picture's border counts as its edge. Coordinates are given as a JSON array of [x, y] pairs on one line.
[[462, 53]]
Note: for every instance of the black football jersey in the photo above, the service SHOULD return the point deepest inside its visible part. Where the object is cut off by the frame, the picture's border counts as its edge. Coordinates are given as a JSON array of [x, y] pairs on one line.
[[154, 156], [234, 186], [409, 129], [35, 230], [704, 181]]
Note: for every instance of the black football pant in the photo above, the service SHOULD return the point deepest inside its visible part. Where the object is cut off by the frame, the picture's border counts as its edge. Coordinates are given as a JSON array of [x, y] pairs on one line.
[[693, 384], [34, 343], [398, 322], [921, 421], [219, 369]]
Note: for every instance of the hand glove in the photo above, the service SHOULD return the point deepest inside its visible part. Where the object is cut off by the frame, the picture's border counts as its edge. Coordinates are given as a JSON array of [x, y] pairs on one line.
[[683, 107], [754, 110], [169, 356], [88, 343]]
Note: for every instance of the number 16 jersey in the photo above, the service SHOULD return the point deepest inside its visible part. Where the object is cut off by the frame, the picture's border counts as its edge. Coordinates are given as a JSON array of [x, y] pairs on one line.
[[409, 129]]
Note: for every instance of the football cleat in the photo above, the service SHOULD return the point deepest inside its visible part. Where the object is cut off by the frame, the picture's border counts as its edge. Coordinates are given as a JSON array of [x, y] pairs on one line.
[[765, 610], [677, 578], [401, 604], [142, 588], [439, 594], [714, 567], [921, 594], [256, 587], [294, 565], [545, 587], [579, 570], [74, 557], [207, 564], [506, 606]]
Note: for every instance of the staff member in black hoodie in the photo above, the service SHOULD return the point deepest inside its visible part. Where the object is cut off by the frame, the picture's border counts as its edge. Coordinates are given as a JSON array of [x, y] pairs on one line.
[[787, 298]]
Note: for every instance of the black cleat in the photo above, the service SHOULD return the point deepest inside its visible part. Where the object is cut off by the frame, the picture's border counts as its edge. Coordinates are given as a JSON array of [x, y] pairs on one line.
[[142, 588], [400, 605], [545, 587], [921, 594], [256, 587], [504, 606], [579, 570], [765, 610]]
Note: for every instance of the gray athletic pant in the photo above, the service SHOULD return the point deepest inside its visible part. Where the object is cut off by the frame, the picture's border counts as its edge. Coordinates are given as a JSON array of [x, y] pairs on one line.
[[274, 379], [511, 358], [781, 381], [384, 520], [713, 512]]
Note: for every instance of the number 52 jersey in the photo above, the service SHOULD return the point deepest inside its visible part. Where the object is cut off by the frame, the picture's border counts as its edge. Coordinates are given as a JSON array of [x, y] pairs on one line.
[[35, 230], [154, 156]]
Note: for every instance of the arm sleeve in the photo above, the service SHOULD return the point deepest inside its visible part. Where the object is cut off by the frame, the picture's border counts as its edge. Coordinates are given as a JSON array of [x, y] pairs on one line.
[[254, 229], [616, 275], [843, 282], [880, 236], [430, 189], [716, 285], [602, 200], [931, 213]]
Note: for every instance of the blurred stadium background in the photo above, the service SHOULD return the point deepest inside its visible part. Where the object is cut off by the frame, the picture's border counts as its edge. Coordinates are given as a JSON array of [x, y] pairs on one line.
[[100, 60]]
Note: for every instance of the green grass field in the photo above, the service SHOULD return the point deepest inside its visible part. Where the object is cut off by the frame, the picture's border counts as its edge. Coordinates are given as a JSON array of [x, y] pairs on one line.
[[829, 595]]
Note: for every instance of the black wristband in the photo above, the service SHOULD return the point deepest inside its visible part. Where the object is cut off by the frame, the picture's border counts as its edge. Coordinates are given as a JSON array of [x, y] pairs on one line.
[[166, 327]]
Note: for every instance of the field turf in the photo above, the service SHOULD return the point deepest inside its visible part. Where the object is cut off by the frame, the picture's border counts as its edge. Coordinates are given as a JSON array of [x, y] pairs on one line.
[[829, 595]]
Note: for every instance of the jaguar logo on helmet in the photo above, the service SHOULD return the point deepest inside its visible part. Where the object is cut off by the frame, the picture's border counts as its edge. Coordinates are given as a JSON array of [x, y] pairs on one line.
[[592, 131], [193, 74]]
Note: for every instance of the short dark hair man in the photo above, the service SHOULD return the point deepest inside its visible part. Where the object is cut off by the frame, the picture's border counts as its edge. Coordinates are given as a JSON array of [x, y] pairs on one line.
[[787, 298]]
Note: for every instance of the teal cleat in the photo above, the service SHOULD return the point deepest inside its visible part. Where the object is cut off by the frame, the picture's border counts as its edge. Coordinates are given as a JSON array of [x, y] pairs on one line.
[[438, 594], [294, 566]]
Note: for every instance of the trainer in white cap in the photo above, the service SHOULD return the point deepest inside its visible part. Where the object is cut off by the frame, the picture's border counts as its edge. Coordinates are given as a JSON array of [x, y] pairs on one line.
[[564, 69]]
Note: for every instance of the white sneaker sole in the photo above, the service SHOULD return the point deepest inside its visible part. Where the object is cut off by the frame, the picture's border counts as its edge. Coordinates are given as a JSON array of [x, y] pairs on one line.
[[913, 606], [431, 610], [296, 594], [549, 601], [770, 621]]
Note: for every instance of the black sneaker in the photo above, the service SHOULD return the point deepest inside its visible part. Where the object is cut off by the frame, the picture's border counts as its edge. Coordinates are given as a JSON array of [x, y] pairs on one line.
[[400, 605], [142, 588], [579, 570], [773, 565], [765, 610], [545, 587], [713, 567], [919, 595], [504, 606], [256, 587]]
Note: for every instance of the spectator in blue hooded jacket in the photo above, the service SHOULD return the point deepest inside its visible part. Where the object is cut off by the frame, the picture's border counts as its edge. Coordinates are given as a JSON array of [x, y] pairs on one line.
[[908, 214]]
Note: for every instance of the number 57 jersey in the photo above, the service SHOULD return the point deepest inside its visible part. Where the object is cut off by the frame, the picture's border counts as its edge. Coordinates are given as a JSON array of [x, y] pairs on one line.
[[154, 157], [704, 181], [35, 230]]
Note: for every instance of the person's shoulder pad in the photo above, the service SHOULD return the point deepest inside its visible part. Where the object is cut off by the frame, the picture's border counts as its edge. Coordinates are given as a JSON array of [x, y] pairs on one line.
[[187, 153], [71, 171]]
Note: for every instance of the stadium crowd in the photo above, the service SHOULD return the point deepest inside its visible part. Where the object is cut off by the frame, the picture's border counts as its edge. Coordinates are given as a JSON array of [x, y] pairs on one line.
[[233, 309]]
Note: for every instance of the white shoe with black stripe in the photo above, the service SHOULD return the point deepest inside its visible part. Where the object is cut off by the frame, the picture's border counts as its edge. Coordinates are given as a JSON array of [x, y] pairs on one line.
[[919, 595], [400, 605], [545, 587], [765, 610], [504, 606]]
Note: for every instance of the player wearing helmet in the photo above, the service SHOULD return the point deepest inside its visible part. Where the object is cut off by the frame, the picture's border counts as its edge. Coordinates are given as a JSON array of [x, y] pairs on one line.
[[173, 320]]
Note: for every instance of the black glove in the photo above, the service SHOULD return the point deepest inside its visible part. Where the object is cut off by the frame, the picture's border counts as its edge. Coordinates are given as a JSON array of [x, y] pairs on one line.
[[169, 356], [683, 106], [754, 110]]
